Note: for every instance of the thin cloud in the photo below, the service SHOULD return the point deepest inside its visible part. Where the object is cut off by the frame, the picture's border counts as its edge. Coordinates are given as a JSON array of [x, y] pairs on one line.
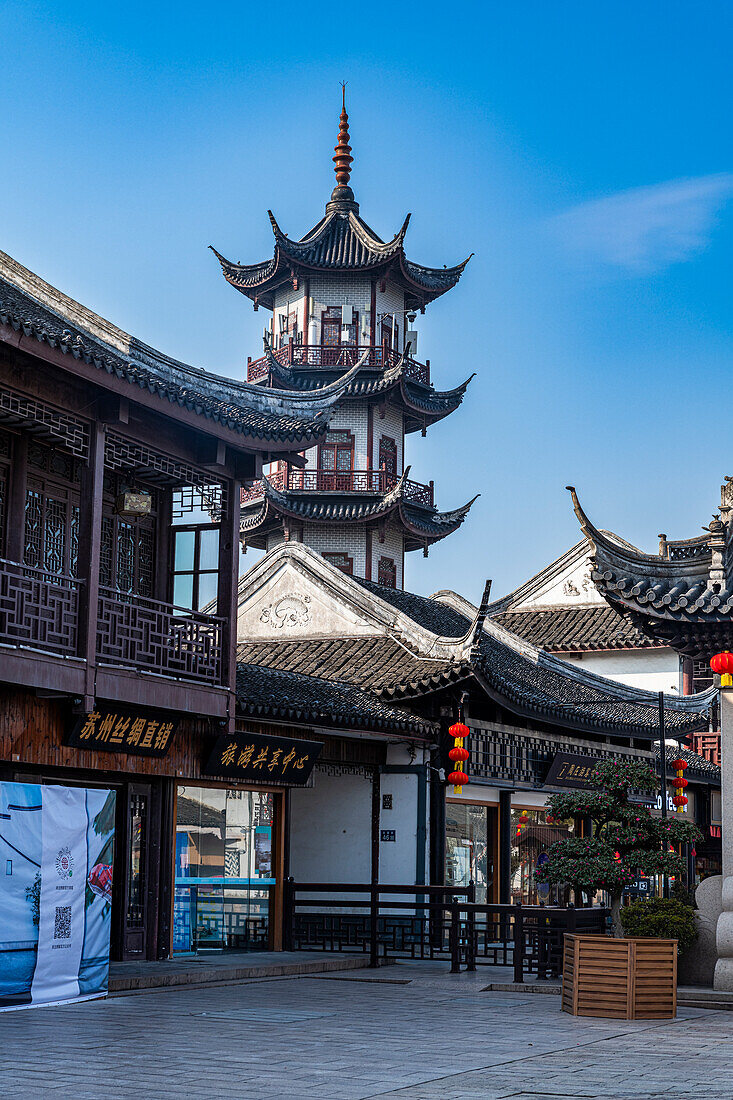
[[647, 228]]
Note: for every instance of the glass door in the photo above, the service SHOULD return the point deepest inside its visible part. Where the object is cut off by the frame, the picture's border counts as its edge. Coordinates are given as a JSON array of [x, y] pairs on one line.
[[135, 894]]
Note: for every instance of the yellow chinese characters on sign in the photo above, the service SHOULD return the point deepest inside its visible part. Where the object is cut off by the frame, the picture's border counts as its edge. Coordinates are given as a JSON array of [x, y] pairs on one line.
[[120, 731], [260, 756]]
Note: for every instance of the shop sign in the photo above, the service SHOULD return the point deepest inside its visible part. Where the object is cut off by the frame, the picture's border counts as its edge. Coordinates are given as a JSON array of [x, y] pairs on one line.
[[570, 769], [117, 730], [259, 756]]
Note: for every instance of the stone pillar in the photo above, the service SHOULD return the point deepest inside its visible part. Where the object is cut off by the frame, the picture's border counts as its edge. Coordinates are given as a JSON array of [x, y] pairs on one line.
[[724, 934]]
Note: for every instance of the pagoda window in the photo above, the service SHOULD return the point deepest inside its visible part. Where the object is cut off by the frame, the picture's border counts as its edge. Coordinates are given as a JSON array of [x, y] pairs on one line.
[[336, 334], [387, 572], [51, 524], [340, 561], [388, 459], [336, 461]]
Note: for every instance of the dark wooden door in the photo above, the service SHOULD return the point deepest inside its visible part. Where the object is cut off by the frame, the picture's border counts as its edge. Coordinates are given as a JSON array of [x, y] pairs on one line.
[[137, 869]]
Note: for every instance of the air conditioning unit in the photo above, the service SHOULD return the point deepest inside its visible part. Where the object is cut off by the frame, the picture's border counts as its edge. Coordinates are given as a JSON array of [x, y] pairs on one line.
[[411, 339], [347, 315]]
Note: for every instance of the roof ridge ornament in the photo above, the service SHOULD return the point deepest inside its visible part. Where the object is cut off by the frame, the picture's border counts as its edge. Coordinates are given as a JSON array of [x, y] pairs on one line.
[[343, 159]]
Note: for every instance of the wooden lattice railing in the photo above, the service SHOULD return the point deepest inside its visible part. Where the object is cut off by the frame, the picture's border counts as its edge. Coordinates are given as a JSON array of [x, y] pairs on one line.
[[342, 356], [38, 608], [159, 637], [341, 481]]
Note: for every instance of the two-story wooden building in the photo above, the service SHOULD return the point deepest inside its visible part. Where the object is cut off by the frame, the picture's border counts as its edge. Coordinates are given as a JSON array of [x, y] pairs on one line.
[[120, 481]]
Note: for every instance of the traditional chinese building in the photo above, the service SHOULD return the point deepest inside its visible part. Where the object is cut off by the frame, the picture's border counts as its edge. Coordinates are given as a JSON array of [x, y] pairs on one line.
[[303, 624], [120, 480], [343, 306]]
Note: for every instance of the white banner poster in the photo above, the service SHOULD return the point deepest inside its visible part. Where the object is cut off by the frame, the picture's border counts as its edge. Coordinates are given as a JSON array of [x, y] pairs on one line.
[[63, 882], [56, 852]]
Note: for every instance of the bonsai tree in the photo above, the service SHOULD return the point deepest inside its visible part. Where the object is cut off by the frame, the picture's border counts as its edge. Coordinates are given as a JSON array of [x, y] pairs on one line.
[[627, 840]]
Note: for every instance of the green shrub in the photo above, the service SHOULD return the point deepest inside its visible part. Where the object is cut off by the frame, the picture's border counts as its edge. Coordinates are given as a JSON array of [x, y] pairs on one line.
[[660, 918]]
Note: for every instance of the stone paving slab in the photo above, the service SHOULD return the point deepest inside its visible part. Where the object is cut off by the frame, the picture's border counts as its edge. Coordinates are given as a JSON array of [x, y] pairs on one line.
[[436, 1037]]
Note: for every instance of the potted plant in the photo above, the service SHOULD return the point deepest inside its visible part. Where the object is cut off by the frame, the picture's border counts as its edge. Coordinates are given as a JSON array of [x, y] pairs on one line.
[[612, 975]]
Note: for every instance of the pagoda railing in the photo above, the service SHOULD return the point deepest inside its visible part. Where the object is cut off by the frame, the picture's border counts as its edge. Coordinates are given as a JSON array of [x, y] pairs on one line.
[[337, 481], [38, 608], [343, 357], [159, 637]]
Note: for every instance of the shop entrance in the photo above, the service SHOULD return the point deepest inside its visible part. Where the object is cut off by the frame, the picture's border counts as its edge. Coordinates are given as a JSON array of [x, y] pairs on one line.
[[226, 878]]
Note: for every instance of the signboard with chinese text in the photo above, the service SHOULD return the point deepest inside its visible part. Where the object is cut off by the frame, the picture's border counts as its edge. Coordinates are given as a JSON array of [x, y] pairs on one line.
[[259, 756], [570, 769], [109, 729]]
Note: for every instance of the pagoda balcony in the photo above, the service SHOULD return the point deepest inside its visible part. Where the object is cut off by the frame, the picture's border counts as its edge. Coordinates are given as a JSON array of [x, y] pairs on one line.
[[340, 357], [376, 482]]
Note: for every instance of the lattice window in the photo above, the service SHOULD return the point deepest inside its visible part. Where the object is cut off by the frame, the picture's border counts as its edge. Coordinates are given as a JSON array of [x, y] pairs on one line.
[[71, 432], [127, 553], [387, 572], [51, 528], [50, 460], [340, 561], [5, 451], [702, 676], [193, 486]]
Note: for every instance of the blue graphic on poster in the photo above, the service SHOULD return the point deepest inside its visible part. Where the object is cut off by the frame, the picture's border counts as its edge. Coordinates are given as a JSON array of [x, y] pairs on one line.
[[56, 855]]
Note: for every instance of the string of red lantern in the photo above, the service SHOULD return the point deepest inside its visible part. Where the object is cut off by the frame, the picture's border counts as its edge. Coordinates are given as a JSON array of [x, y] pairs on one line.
[[679, 800], [458, 754]]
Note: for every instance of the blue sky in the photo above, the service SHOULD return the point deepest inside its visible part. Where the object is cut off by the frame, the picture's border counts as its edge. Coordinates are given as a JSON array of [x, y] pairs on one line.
[[581, 151]]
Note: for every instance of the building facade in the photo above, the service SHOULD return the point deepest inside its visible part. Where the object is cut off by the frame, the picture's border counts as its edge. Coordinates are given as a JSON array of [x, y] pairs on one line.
[[343, 306], [120, 480]]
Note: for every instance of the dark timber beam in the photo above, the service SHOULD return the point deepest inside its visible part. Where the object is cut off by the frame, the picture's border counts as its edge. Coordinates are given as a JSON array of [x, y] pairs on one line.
[[90, 541]]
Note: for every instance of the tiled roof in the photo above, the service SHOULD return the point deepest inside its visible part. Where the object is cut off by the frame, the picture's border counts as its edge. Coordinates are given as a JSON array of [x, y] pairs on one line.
[[341, 241], [30, 306], [435, 616], [290, 695], [680, 599], [371, 662], [574, 629], [697, 766], [421, 523]]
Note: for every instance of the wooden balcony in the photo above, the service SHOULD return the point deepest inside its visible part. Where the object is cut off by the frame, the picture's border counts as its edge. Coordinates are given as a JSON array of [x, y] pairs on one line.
[[40, 620], [159, 637], [346, 481], [341, 357]]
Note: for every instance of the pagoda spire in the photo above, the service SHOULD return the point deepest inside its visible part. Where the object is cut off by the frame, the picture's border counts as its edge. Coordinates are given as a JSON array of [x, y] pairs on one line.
[[343, 159]]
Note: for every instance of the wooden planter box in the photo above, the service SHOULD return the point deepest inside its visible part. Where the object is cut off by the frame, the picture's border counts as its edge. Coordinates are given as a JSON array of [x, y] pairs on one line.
[[629, 979]]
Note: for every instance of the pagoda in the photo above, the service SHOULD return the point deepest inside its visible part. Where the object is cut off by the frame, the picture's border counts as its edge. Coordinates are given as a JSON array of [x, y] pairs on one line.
[[343, 305]]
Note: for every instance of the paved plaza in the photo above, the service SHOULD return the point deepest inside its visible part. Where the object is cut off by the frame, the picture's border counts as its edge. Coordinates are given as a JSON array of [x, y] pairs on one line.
[[406, 1033]]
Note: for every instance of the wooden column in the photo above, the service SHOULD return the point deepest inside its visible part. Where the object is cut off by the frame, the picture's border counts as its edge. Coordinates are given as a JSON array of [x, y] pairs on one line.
[[687, 687], [505, 846], [14, 542], [228, 589], [90, 538], [163, 538]]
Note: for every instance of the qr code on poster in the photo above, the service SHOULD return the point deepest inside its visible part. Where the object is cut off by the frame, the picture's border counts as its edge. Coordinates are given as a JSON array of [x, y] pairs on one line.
[[62, 923]]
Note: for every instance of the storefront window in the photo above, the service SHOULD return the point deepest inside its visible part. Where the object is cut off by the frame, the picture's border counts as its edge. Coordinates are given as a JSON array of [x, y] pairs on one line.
[[467, 847], [224, 870], [532, 837]]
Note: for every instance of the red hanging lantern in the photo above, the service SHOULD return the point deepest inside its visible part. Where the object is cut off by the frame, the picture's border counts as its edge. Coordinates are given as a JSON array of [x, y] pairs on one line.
[[679, 765], [679, 800], [679, 783], [458, 779], [722, 663], [458, 731]]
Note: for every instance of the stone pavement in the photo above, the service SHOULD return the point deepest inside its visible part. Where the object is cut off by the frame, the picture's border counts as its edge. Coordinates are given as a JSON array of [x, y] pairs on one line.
[[406, 1032]]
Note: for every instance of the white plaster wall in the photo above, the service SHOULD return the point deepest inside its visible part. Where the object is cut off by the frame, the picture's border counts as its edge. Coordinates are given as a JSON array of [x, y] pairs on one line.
[[572, 585], [398, 858], [330, 829], [653, 669], [347, 290]]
